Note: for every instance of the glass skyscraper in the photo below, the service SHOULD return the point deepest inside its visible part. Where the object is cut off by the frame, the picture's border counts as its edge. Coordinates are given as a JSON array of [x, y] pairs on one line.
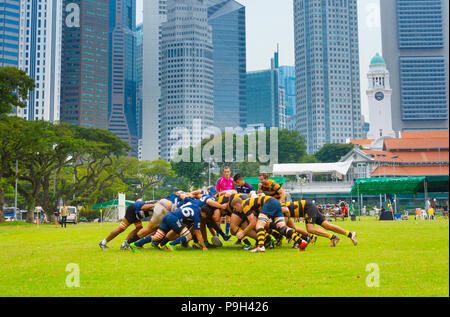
[[9, 32], [265, 98], [287, 82], [84, 79], [227, 18], [327, 71], [186, 75], [40, 57], [415, 47], [122, 72]]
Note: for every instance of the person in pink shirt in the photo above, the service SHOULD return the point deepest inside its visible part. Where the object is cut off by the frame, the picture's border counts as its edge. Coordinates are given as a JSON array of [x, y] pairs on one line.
[[224, 183]]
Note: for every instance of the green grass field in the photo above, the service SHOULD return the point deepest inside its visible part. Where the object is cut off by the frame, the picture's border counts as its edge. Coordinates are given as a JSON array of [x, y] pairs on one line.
[[413, 260]]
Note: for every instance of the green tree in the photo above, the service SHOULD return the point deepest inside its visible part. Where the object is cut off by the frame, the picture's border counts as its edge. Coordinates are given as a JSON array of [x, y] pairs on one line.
[[333, 152], [15, 86]]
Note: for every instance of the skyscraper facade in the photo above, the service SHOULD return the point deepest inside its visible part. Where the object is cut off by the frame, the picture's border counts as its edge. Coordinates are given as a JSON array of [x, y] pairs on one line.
[[287, 82], [415, 46], [40, 57], [265, 98], [187, 75], [153, 15], [122, 72], [327, 71], [139, 78], [9, 32], [227, 18], [85, 63]]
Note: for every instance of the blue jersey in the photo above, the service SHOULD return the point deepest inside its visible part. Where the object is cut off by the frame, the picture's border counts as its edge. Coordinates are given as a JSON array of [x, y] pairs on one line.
[[245, 189], [140, 214], [191, 209]]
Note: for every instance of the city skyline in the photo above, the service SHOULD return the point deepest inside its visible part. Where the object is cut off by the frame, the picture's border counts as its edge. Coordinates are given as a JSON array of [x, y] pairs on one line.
[[262, 38]]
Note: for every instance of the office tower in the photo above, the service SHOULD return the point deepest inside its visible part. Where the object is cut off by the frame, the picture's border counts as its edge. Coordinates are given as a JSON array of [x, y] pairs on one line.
[[227, 18], [153, 15], [40, 57], [139, 78], [187, 75], [122, 72], [287, 82], [85, 61], [9, 32], [265, 98], [415, 47], [327, 71]]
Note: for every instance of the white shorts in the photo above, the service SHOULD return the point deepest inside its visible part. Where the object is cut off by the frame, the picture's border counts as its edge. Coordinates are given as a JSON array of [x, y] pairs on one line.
[[159, 212]]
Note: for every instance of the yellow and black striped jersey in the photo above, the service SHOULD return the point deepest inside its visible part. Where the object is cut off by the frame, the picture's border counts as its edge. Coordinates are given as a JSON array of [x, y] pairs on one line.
[[272, 189], [227, 200], [296, 209], [254, 205]]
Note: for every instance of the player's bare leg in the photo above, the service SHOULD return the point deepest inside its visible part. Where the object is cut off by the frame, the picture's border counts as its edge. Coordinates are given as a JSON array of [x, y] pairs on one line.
[[121, 228]]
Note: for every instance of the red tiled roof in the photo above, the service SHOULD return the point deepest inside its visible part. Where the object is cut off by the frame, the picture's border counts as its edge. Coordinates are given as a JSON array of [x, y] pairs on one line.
[[409, 156], [425, 134], [362, 141], [415, 144], [410, 171]]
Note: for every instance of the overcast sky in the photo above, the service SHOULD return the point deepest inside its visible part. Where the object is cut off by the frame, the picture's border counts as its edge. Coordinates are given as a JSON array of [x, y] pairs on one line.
[[271, 22]]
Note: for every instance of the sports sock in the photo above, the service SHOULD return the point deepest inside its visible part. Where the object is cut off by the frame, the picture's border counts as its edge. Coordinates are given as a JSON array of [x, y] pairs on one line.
[[163, 241], [227, 229], [133, 239], [261, 236], [348, 234], [104, 242], [331, 236], [143, 241], [247, 241], [310, 235], [179, 240]]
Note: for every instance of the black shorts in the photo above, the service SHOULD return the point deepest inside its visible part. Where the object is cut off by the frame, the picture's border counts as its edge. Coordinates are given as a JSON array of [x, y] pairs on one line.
[[130, 214], [241, 216], [313, 215], [208, 210]]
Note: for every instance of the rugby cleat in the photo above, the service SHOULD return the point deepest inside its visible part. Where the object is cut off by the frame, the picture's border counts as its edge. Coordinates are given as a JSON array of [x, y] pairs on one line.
[[125, 246], [170, 247], [258, 249], [334, 241], [133, 247], [354, 240], [227, 237], [279, 241], [302, 245], [247, 248], [104, 247]]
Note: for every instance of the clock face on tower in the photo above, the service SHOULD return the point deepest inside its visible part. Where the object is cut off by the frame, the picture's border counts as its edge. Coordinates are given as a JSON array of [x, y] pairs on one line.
[[379, 96]]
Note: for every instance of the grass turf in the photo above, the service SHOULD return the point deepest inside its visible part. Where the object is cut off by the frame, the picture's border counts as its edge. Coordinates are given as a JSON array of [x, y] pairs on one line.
[[413, 260]]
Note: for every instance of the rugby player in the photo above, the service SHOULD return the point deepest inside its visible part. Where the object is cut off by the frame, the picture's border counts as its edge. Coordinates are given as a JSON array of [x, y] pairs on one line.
[[271, 188], [133, 215], [174, 221], [308, 210], [242, 187], [266, 208]]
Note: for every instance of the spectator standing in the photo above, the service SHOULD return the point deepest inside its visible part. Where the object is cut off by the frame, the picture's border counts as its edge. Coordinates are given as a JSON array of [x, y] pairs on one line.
[[226, 183], [56, 215], [64, 214], [445, 209]]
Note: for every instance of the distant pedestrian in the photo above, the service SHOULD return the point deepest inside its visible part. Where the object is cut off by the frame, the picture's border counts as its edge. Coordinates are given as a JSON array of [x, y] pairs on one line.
[[64, 214], [56, 215]]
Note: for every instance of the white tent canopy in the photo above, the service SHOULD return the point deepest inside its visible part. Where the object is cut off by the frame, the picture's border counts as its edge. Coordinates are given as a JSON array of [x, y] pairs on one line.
[[311, 168]]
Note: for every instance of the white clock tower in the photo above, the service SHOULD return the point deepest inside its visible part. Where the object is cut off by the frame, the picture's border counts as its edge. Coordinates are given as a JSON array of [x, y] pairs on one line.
[[379, 94]]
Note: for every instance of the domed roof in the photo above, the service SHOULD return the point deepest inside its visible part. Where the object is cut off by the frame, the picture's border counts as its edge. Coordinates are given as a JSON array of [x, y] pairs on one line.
[[377, 60]]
